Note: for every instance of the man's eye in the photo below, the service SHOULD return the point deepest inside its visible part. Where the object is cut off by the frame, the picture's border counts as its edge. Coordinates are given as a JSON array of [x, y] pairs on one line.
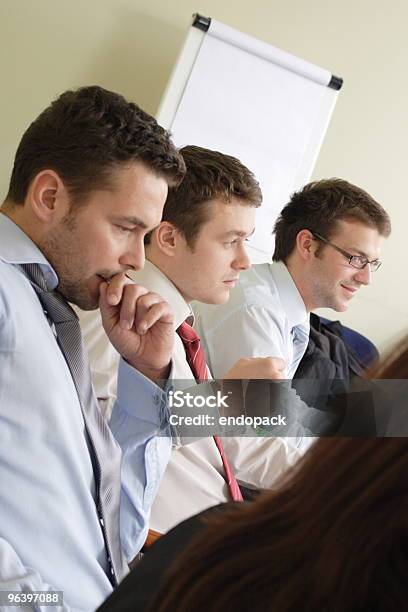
[[360, 261], [124, 230]]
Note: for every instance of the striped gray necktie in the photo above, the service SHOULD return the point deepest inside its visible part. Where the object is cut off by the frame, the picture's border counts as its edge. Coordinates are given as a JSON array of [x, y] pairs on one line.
[[300, 336], [105, 452]]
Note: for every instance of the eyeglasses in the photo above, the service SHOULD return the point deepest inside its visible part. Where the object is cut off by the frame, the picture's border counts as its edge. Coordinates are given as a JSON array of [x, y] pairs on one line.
[[357, 261]]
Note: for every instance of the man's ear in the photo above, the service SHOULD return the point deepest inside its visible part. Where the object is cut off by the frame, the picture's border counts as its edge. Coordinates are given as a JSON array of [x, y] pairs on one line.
[[305, 244], [167, 238], [48, 197]]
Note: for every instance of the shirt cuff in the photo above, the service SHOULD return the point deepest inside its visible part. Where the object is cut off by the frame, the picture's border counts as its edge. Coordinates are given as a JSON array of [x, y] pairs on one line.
[[138, 396]]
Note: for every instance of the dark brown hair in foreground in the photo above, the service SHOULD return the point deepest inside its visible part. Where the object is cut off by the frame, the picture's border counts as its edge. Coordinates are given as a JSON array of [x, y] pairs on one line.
[[333, 538], [84, 136]]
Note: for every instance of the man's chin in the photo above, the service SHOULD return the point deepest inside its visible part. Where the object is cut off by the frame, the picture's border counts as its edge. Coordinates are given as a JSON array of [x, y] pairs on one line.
[[218, 300], [88, 305], [340, 307], [84, 302]]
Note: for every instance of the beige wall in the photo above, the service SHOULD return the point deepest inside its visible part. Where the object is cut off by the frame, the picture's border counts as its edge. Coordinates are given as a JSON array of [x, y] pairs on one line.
[[130, 46]]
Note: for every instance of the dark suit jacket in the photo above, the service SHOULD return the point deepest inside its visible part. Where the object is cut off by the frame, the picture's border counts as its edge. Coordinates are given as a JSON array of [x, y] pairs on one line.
[[329, 378]]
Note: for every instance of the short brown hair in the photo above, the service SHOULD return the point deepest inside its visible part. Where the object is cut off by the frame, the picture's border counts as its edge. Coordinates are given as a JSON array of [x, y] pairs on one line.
[[319, 206], [209, 175], [86, 134]]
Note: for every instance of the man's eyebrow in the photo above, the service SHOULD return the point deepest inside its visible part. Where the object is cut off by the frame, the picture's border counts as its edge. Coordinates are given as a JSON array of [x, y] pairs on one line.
[[362, 254], [238, 233], [132, 221], [358, 251]]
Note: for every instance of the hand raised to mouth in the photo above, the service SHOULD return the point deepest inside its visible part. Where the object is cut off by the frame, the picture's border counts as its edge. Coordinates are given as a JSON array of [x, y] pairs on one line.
[[139, 324]]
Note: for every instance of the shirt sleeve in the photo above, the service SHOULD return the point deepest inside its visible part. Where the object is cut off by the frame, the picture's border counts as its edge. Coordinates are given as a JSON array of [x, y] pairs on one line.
[[258, 463], [250, 331], [139, 423], [15, 577]]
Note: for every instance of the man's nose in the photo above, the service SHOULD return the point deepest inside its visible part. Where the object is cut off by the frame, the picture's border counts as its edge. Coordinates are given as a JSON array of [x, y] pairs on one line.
[[134, 258], [242, 261], [363, 276]]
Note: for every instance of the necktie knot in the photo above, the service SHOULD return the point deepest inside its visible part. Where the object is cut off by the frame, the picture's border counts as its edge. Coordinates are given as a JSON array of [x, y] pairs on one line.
[[57, 307], [53, 302], [194, 352], [187, 333], [35, 276]]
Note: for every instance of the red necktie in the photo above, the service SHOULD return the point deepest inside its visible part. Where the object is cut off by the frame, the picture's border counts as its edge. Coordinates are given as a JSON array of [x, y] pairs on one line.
[[196, 360]]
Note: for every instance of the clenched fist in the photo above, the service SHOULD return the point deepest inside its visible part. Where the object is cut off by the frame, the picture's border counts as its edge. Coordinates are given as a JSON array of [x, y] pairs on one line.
[[139, 324]]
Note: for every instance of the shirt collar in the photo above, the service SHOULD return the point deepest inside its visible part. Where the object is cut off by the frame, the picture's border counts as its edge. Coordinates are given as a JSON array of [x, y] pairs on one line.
[[17, 248], [289, 295], [154, 280]]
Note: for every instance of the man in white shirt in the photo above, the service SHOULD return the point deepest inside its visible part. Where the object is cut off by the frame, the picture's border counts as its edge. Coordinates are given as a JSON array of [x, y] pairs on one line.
[[198, 253], [327, 244]]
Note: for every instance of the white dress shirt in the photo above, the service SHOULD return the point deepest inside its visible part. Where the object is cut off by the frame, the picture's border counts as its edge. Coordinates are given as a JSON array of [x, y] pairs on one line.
[[194, 478], [264, 317], [50, 535]]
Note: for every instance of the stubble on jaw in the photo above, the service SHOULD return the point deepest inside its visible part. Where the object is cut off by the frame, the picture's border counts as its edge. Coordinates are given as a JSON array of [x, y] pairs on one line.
[[62, 249]]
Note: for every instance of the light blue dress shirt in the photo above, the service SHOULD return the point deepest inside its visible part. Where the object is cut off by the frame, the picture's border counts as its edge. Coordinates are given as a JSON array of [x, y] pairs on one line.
[[265, 316], [50, 536], [262, 318]]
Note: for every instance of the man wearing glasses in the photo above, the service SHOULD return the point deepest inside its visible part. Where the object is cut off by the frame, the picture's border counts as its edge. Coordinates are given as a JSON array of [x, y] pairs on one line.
[[327, 245]]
